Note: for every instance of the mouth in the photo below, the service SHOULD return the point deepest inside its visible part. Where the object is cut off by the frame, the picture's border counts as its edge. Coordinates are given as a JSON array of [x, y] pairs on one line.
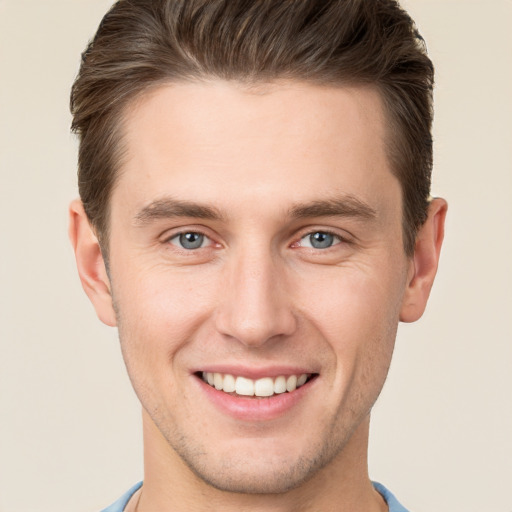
[[265, 387]]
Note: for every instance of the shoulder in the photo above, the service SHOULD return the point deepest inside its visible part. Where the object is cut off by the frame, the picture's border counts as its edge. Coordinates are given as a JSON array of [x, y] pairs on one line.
[[393, 503], [121, 503]]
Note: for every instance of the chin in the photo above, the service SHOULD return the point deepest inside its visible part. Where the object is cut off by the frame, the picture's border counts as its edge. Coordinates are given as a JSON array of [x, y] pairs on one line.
[[263, 479], [264, 472]]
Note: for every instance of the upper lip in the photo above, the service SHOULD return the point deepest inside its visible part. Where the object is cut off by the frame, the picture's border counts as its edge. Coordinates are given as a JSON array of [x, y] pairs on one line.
[[255, 372]]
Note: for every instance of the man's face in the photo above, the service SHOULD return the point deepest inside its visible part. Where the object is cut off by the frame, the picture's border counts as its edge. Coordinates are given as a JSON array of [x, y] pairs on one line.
[[257, 234]]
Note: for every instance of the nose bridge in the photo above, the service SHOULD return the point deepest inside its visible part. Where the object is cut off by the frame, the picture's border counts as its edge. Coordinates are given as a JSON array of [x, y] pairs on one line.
[[255, 306]]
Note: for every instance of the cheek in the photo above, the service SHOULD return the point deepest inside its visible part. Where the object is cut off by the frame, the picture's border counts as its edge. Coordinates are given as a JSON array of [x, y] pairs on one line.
[[163, 299], [159, 312], [350, 301], [357, 314]]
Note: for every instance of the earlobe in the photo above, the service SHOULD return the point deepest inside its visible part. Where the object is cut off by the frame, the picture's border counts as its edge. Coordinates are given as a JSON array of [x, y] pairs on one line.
[[424, 262], [90, 263]]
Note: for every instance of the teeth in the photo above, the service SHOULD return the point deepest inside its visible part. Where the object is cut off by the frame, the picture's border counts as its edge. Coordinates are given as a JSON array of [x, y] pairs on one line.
[[244, 386], [229, 384], [264, 387], [280, 385], [260, 387], [302, 380]]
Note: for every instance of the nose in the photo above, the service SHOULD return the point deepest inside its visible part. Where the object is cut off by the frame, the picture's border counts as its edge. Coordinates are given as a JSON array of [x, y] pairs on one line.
[[255, 306]]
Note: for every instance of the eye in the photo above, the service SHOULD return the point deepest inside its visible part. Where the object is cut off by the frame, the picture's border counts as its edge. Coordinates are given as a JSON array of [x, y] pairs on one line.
[[319, 240], [190, 240]]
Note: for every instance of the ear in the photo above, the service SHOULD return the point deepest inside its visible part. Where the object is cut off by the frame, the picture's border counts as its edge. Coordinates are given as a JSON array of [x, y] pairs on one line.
[[423, 266], [90, 263]]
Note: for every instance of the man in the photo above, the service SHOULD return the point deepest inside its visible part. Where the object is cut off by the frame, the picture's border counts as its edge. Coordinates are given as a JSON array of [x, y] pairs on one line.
[[255, 219]]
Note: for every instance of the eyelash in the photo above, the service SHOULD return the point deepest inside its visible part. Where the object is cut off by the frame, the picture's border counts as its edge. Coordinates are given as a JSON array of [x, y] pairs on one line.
[[191, 232], [338, 239]]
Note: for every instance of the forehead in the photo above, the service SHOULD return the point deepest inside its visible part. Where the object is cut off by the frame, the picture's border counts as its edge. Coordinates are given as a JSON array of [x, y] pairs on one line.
[[219, 141]]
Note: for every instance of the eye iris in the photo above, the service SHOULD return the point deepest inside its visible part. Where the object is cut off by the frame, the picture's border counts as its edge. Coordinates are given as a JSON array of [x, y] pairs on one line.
[[191, 240], [321, 240]]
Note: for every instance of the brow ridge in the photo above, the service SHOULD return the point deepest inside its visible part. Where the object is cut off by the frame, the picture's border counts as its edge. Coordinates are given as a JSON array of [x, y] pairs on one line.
[[346, 206], [167, 208]]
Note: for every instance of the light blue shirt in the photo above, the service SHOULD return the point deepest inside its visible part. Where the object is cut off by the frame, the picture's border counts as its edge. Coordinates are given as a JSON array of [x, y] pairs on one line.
[[393, 504], [121, 503]]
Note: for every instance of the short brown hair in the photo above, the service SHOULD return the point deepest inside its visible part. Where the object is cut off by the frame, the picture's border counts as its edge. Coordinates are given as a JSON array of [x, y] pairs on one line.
[[141, 44]]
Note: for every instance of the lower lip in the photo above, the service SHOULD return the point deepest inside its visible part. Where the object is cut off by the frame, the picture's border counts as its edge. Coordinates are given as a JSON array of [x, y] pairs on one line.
[[252, 408]]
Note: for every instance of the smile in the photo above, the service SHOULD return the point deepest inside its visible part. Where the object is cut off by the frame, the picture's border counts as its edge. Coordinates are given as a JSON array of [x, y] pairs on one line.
[[264, 387]]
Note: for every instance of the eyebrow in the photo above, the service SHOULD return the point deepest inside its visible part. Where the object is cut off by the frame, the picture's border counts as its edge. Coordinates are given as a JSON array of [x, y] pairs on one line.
[[169, 208], [346, 206]]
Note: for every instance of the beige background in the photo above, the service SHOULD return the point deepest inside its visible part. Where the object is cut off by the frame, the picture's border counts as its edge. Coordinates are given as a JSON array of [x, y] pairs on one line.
[[70, 438]]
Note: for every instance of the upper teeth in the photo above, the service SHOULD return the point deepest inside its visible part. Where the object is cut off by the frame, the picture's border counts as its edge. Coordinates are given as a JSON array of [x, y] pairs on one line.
[[266, 386]]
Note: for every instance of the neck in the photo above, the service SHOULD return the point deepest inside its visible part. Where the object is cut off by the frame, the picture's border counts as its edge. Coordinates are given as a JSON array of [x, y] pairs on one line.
[[342, 486]]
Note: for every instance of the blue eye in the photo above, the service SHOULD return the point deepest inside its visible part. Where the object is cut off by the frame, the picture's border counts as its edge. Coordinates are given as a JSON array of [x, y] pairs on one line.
[[190, 240], [319, 240]]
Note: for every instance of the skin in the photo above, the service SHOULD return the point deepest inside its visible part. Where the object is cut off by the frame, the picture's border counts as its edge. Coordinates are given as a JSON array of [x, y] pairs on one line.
[[256, 294]]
